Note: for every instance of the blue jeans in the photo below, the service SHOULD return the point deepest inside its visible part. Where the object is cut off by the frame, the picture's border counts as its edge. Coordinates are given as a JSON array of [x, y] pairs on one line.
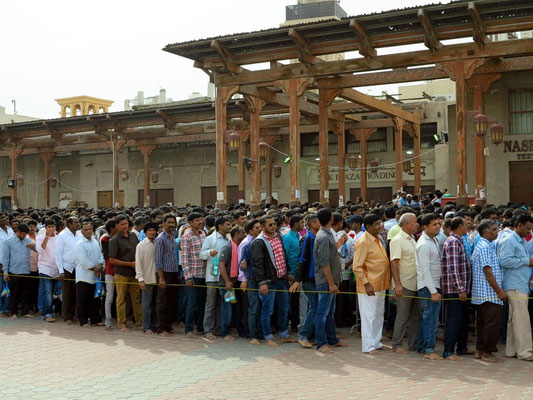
[[281, 300], [225, 314], [195, 306], [429, 322], [4, 301], [254, 310], [307, 331], [48, 287], [325, 318], [147, 302]]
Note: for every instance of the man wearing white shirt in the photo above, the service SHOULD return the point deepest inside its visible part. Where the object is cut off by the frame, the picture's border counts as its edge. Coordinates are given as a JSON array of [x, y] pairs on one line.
[[89, 264], [5, 233], [66, 265], [428, 268]]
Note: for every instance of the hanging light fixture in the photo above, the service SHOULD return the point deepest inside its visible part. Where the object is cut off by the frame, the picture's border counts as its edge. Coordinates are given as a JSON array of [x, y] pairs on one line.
[[374, 165], [20, 179], [53, 181], [234, 140], [481, 123], [496, 133], [276, 169], [406, 165], [155, 177], [263, 149], [124, 174], [353, 161]]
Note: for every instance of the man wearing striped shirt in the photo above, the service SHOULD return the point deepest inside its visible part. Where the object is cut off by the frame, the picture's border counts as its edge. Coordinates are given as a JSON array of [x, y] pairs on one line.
[[166, 265], [487, 292]]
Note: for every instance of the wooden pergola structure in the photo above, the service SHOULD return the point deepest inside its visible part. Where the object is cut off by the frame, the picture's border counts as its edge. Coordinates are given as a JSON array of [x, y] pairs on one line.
[[282, 99], [472, 65]]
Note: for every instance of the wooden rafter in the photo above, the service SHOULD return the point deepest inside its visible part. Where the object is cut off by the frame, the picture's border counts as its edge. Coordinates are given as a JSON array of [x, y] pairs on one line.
[[167, 119], [304, 51], [431, 41], [480, 37], [226, 58], [365, 45], [53, 131]]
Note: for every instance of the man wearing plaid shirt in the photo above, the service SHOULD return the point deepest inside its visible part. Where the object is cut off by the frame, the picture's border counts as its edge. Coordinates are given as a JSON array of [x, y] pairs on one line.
[[487, 292], [455, 283], [194, 273]]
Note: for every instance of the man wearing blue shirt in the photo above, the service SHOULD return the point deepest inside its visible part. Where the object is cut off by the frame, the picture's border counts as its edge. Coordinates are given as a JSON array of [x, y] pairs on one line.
[[291, 245], [516, 265], [16, 265]]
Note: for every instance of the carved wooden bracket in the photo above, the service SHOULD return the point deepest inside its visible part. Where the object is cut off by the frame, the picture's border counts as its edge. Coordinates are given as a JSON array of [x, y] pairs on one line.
[[255, 104], [146, 149], [14, 153], [47, 157], [482, 82], [362, 133]]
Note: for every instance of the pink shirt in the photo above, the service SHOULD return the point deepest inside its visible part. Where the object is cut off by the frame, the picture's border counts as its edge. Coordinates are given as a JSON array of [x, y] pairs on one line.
[[33, 257], [47, 261]]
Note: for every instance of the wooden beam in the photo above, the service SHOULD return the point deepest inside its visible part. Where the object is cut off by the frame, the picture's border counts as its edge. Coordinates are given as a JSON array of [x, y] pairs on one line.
[[226, 58], [480, 37], [306, 56], [431, 41], [462, 51], [167, 119], [365, 46]]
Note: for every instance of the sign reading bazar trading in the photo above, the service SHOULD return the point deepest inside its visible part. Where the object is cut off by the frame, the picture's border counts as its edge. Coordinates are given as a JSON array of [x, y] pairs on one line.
[[519, 146], [384, 174]]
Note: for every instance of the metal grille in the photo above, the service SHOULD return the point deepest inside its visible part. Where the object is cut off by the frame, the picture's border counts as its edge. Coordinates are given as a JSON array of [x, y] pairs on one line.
[[521, 111], [314, 10]]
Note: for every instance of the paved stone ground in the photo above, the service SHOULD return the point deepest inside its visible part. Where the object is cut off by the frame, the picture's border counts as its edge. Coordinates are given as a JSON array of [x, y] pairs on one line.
[[53, 361]]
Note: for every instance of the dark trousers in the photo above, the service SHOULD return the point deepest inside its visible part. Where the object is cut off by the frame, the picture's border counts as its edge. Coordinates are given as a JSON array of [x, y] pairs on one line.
[[344, 312], [488, 325], [195, 305], [68, 298], [87, 306], [456, 326], [239, 311], [19, 286], [294, 311], [34, 291], [167, 302]]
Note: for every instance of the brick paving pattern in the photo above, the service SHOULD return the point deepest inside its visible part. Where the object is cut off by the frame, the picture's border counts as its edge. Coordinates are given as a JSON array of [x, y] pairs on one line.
[[56, 361]]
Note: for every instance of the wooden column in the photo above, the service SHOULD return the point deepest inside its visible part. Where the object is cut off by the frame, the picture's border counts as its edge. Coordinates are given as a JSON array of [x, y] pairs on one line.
[[268, 175], [47, 157], [146, 151], [223, 96], [362, 135], [240, 164], [418, 172], [116, 146], [398, 151], [479, 84], [338, 128], [255, 105], [325, 98], [13, 156]]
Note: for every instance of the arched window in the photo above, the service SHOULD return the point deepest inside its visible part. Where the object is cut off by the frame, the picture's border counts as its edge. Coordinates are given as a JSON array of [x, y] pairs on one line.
[[66, 111], [101, 110], [91, 110], [77, 110]]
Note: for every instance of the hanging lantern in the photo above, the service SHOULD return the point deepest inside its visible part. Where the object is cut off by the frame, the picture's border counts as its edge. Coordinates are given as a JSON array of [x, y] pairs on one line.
[[124, 174], [155, 177], [20, 179], [406, 165], [53, 181], [496, 133], [263, 149], [374, 165], [276, 169], [234, 140], [480, 124], [352, 161]]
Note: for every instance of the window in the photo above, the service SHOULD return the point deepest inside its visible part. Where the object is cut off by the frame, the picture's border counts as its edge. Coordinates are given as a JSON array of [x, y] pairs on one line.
[[521, 111], [377, 143], [310, 145], [427, 141]]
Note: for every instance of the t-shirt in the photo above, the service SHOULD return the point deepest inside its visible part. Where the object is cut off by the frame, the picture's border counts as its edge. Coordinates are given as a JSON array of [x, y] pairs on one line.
[[325, 253], [123, 248], [225, 257]]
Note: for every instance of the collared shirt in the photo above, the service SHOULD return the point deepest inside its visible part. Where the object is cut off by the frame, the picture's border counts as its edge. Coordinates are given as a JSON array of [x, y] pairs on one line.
[[403, 248], [123, 249], [468, 246], [16, 256], [393, 232], [279, 255], [242, 273], [34, 256], [47, 260], [428, 264], [371, 264], [145, 261], [390, 223], [502, 235], [88, 255], [514, 260], [346, 254], [484, 255], [191, 245], [4, 235], [326, 255], [65, 253], [456, 270], [217, 242], [291, 245], [165, 253]]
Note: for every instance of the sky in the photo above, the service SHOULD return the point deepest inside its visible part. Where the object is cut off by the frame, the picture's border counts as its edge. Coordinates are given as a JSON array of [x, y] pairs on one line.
[[112, 49]]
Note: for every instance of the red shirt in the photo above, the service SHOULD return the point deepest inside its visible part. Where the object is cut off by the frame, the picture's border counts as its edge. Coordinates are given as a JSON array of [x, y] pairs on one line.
[[104, 243]]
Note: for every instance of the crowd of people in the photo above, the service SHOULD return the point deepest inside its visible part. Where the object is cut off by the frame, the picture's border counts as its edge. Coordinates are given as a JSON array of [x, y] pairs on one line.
[[405, 266]]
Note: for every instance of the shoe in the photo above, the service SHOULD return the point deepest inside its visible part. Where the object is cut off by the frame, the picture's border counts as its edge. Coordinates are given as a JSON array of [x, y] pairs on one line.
[[50, 319]]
